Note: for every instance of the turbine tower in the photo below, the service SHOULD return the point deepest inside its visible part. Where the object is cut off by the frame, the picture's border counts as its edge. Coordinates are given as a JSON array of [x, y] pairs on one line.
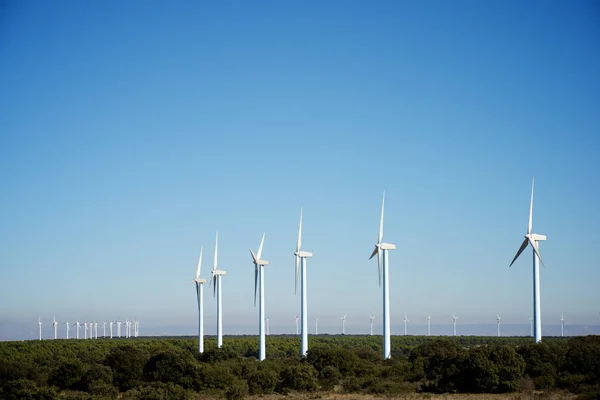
[[259, 280], [119, 327], [429, 325], [454, 318], [562, 325], [316, 325], [96, 330], [40, 326], [103, 329], [381, 249], [344, 324], [200, 298], [301, 257], [67, 327], [297, 326], [371, 317], [533, 239], [77, 325], [111, 330], [405, 321], [531, 326], [498, 320], [217, 291], [55, 326], [85, 330]]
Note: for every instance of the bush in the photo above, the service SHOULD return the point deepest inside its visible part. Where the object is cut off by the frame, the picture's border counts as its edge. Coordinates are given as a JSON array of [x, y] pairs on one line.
[[238, 389], [127, 363], [301, 377], [262, 381], [329, 377]]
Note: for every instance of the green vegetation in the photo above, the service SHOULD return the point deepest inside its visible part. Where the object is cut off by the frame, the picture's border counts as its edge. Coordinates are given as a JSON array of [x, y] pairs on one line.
[[170, 368]]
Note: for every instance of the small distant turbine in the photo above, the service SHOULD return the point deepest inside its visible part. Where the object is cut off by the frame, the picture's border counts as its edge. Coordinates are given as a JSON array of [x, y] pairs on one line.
[[429, 325], [316, 325], [55, 326], [215, 281], [531, 326], [297, 326], [104, 329], [200, 298], [562, 325], [96, 330], [259, 280], [405, 321], [301, 257], [119, 327], [110, 324], [498, 320], [454, 318], [533, 239], [40, 326], [77, 325], [344, 324], [67, 327], [85, 331], [371, 317]]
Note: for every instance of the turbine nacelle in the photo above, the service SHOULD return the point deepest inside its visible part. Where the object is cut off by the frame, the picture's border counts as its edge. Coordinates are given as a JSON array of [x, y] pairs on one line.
[[303, 254], [200, 280]]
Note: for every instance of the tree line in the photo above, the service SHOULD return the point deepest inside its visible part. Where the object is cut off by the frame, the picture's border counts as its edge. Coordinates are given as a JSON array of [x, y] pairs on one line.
[[171, 368]]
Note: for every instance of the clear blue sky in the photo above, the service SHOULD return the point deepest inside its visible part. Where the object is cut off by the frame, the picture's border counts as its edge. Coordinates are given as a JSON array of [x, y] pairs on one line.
[[131, 131]]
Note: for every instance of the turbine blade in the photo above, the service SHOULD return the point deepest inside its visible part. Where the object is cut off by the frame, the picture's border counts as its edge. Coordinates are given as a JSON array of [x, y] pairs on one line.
[[255, 283], [254, 257], [296, 280], [379, 264], [215, 286], [199, 264], [530, 209], [537, 252], [374, 252], [299, 243], [523, 246], [216, 252], [380, 237], [261, 246]]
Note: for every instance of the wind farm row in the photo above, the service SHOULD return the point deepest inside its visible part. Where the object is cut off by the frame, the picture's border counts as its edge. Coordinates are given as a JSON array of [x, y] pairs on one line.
[[381, 250], [90, 329]]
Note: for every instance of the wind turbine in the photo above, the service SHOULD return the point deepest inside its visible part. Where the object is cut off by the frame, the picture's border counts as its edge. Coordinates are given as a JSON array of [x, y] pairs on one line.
[[119, 327], [498, 320], [40, 326], [111, 330], [454, 318], [77, 325], [96, 330], [259, 279], [200, 298], [85, 332], [562, 325], [381, 249], [217, 291], [301, 257], [531, 326], [55, 326], [344, 324], [67, 325], [297, 326], [405, 321], [533, 239], [316, 325], [429, 325], [104, 329], [371, 317]]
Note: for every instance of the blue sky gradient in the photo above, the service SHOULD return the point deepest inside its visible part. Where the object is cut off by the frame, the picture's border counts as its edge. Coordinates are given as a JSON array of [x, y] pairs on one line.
[[131, 131]]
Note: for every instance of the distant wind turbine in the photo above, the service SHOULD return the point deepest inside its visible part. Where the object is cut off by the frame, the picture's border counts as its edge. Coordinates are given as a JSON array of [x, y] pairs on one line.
[[67, 327], [381, 250], [429, 325], [498, 320], [77, 325], [297, 325], [531, 326], [96, 330], [216, 275], [40, 326], [119, 327], [562, 325], [104, 329], [301, 257], [316, 326], [343, 324], [111, 328], [55, 326], [85, 330], [371, 317], [200, 298], [405, 321], [533, 239], [259, 280], [454, 318]]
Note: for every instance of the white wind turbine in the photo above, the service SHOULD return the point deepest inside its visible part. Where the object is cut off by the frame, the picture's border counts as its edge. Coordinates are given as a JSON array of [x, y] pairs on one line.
[[111, 330], [77, 325], [85, 332], [429, 325], [531, 326], [405, 321], [40, 326], [454, 318], [316, 325], [297, 317], [498, 320], [301, 257], [562, 325], [55, 326], [344, 324], [533, 239], [259, 280], [103, 329], [67, 327], [217, 291], [119, 327], [381, 249], [96, 330], [371, 317], [200, 298]]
